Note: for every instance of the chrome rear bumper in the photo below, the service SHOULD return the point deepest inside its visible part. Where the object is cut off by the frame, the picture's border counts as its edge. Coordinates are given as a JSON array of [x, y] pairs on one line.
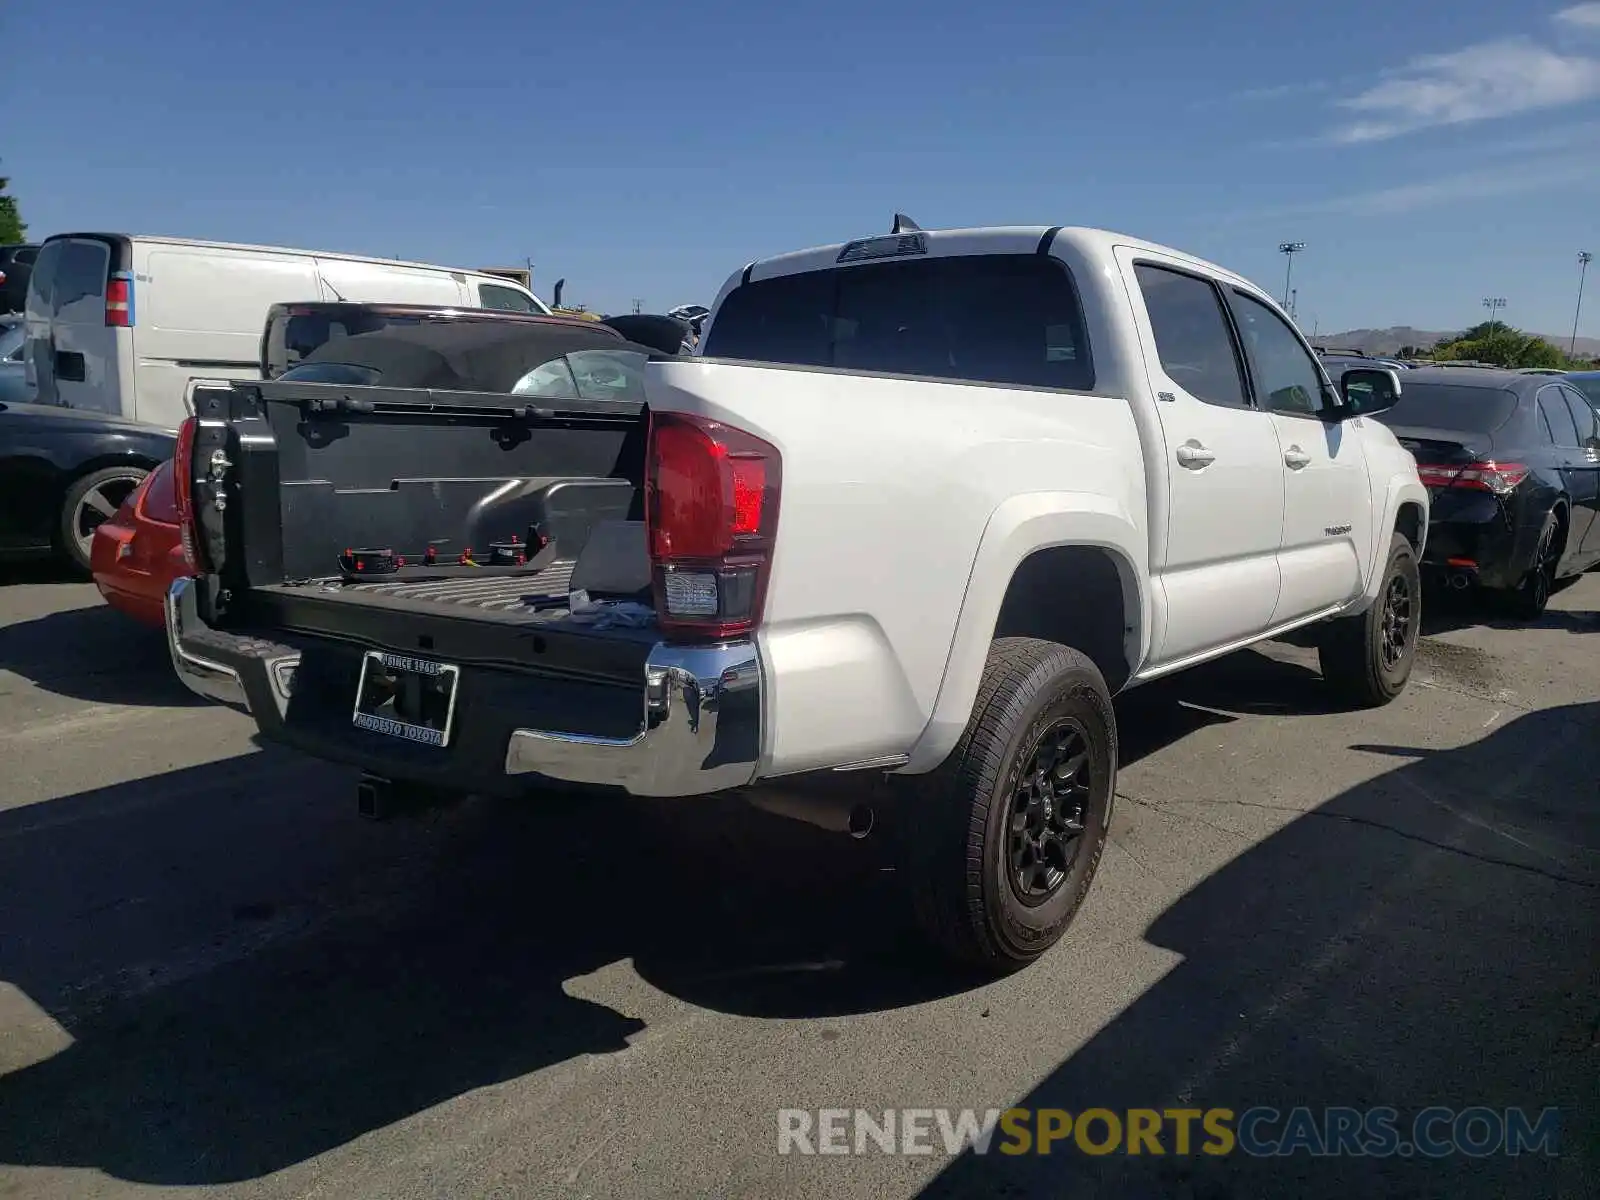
[[700, 728]]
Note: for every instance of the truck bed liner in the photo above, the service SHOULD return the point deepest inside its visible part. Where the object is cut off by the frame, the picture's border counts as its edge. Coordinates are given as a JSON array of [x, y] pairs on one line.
[[501, 593], [534, 598]]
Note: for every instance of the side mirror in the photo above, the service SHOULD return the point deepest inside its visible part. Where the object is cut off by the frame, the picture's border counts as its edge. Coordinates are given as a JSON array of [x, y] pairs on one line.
[[1368, 390]]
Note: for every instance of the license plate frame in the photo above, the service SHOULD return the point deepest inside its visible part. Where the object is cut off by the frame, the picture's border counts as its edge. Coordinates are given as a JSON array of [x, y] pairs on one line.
[[366, 713]]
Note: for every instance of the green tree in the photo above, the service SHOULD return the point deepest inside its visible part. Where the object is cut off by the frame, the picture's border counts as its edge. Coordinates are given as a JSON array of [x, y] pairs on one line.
[[1503, 346], [12, 227]]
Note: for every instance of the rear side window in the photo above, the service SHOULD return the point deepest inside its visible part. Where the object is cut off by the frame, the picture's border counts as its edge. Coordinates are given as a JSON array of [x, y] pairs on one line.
[[1583, 416], [506, 299], [1192, 338], [1562, 429], [1589, 385], [994, 318], [26, 255]]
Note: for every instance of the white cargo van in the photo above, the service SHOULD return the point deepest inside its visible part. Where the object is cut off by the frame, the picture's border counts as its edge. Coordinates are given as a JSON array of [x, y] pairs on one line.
[[124, 324]]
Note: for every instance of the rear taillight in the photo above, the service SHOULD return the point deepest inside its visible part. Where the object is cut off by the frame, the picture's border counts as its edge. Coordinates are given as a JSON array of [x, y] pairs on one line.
[[711, 514], [1501, 478], [183, 491], [159, 501], [119, 300]]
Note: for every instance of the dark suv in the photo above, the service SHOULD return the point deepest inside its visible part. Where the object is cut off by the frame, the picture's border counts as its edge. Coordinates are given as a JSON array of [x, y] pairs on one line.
[[16, 266]]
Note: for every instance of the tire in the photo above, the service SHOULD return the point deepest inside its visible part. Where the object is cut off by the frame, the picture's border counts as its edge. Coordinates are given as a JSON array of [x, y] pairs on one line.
[[85, 505], [1367, 658], [1527, 601], [1036, 697]]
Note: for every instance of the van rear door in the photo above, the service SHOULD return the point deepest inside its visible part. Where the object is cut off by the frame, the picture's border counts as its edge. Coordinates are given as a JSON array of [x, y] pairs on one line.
[[74, 355]]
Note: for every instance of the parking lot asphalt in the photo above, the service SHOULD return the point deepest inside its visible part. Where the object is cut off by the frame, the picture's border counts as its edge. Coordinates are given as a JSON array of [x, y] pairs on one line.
[[214, 976]]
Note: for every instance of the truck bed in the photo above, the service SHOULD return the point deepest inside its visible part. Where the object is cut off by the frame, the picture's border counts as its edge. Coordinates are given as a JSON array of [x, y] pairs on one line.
[[538, 595]]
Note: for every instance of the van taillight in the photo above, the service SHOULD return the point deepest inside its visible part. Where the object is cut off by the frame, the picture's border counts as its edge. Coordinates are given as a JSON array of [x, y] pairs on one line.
[[119, 300], [183, 491], [711, 515]]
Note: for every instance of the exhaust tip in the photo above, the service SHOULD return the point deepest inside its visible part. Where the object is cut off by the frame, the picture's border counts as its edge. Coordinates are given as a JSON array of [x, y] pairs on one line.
[[862, 821]]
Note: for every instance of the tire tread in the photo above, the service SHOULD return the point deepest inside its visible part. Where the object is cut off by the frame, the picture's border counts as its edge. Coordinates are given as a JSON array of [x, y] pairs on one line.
[[963, 787]]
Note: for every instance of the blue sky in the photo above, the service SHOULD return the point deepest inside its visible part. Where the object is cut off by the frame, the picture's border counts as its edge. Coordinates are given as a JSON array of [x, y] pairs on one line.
[[1428, 155]]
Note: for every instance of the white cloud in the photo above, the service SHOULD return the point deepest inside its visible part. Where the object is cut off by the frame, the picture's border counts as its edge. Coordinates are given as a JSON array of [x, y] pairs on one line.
[[1581, 16], [1491, 79], [1511, 177]]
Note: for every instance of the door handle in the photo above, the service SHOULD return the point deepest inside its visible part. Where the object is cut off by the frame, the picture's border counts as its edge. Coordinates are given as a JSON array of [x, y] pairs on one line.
[[1296, 458], [1195, 456]]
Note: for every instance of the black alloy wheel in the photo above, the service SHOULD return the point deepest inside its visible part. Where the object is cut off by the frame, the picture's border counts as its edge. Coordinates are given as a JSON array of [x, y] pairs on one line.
[[1049, 803]]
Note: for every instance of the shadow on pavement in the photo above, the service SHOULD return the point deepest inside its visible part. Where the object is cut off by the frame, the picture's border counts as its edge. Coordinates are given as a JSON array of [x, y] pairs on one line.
[[1426, 938], [1445, 611], [96, 654], [37, 570], [251, 976]]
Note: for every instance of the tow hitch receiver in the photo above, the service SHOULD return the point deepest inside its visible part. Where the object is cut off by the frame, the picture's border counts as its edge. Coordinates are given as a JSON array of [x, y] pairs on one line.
[[379, 799]]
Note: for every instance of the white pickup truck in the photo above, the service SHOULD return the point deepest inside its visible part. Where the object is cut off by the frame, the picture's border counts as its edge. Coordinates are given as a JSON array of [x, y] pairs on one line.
[[922, 505]]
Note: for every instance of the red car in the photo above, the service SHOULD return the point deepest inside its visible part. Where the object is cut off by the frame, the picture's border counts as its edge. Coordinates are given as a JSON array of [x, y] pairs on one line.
[[137, 553]]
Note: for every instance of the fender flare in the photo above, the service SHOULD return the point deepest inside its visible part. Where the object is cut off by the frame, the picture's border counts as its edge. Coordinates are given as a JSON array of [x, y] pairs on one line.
[[1017, 528], [1402, 489]]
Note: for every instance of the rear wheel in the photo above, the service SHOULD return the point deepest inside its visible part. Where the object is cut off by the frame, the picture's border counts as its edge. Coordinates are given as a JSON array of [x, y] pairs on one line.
[[1367, 658], [1005, 837], [88, 502], [1528, 601]]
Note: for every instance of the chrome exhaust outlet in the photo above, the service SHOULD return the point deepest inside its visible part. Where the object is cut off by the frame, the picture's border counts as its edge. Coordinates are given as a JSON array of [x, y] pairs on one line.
[[824, 812], [1460, 581]]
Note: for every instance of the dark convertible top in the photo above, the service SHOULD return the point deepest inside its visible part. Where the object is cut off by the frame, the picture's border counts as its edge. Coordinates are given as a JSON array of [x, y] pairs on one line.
[[468, 355]]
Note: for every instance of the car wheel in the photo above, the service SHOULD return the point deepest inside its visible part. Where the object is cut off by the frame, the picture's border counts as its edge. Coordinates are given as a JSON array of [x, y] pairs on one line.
[[1004, 838], [89, 501], [1530, 598], [1367, 658]]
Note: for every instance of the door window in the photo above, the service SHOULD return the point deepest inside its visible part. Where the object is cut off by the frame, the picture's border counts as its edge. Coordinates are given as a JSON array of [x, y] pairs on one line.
[[1563, 431], [1287, 378], [503, 298], [1192, 338]]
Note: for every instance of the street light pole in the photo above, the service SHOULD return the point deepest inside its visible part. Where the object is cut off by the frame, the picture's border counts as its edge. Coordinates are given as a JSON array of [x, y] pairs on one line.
[[1584, 259], [1493, 304], [1289, 250]]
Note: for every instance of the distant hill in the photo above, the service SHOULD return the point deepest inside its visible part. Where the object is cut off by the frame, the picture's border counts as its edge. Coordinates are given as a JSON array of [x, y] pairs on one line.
[[1389, 341]]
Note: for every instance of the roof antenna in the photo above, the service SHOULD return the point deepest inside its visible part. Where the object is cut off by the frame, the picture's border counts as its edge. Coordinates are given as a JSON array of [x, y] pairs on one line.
[[904, 224]]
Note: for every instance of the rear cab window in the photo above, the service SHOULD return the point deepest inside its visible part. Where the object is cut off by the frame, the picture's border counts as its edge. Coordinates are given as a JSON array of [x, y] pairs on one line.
[[1011, 319]]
